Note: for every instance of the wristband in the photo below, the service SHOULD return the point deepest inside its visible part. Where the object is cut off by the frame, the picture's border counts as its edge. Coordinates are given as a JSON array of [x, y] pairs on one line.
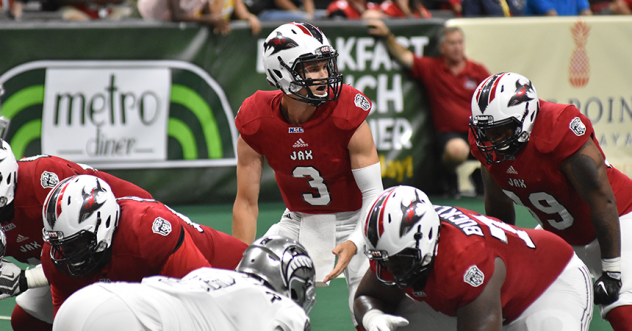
[[613, 264], [35, 277], [369, 316]]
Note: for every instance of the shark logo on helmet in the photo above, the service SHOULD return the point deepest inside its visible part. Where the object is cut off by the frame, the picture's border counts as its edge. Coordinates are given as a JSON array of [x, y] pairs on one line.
[[279, 43], [521, 94], [91, 201], [411, 216]]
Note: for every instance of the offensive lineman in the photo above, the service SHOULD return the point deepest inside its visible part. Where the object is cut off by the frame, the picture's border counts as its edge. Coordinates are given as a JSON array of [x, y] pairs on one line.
[[490, 275], [21, 217], [258, 296], [314, 135]]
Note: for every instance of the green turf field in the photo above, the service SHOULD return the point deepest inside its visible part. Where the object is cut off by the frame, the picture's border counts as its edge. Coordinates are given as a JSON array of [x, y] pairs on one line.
[[331, 311]]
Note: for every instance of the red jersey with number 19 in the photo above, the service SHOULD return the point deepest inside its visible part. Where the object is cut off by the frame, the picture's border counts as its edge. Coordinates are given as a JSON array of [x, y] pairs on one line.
[[534, 179], [311, 160]]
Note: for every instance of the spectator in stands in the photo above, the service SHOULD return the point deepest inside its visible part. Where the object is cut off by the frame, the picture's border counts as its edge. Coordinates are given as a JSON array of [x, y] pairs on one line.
[[610, 7], [493, 8], [350, 9], [183, 11], [77, 10], [236, 9], [450, 81], [401, 9], [455, 6], [284, 10], [557, 8]]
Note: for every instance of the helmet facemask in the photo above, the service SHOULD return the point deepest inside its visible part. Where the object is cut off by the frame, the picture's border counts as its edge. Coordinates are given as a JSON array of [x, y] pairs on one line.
[[77, 255], [331, 85], [496, 151], [406, 268]]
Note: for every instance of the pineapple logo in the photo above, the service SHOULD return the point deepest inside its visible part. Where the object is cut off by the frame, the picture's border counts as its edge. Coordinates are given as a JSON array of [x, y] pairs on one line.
[[579, 68]]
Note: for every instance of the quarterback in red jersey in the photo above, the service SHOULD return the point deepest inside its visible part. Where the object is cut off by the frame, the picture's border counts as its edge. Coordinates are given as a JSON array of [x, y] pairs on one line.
[[314, 136], [21, 218], [545, 156], [482, 271]]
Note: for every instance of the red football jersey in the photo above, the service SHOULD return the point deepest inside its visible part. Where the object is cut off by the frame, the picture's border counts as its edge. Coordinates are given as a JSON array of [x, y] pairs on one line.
[[534, 180], [310, 161], [469, 243], [37, 175], [450, 96], [148, 234]]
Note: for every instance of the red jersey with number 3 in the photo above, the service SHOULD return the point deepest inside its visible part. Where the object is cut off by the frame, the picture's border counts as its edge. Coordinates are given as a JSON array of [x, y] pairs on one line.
[[151, 239], [37, 175], [311, 160], [469, 244], [535, 181]]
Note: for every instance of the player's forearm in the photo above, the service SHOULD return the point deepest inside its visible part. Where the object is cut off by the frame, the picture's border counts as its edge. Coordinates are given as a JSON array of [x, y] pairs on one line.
[[245, 222], [608, 232]]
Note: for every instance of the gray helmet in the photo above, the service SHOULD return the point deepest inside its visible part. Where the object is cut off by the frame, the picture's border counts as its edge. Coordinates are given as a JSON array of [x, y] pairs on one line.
[[284, 266]]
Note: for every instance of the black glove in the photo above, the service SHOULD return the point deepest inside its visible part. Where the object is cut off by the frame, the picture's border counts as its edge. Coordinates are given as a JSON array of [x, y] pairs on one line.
[[12, 279], [607, 288]]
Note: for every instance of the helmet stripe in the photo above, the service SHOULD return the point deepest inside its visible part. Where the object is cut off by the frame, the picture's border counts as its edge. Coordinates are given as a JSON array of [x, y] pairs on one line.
[[374, 227], [487, 93]]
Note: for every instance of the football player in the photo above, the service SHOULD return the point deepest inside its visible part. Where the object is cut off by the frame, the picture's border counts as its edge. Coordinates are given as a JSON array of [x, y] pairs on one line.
[[91, 236], [314, 135], [546, 157], [21, 218], [272, 289], [486, 273]]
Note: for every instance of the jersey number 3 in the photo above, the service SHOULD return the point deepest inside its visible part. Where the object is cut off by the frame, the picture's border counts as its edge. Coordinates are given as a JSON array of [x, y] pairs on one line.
[[317, 182]]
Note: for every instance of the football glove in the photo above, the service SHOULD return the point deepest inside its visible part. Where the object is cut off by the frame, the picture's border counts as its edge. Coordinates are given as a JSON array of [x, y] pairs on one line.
[[607, 288], [12, 279], [376, 320]]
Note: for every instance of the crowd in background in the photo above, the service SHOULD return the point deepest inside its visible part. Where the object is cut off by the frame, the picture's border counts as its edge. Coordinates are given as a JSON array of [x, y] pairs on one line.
[[219, 13]]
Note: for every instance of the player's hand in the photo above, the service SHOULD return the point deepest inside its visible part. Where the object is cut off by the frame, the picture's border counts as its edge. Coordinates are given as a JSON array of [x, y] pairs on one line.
[[345, 252], [607, 288], [376, 320], [12, 279]]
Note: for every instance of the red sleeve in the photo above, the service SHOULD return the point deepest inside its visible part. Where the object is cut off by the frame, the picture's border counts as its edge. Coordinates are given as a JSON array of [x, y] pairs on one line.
[[122, 188], [185, 259], [567, 130]]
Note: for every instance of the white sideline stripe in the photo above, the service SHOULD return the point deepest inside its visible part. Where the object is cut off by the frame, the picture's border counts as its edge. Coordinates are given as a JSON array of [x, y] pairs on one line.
[[5, 317]]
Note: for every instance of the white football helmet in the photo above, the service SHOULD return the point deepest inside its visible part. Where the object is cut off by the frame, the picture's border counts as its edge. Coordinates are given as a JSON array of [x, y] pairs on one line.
[[8, 174], [284, 266], [506, 102], [286, 51], [80, 216], [401, 229]]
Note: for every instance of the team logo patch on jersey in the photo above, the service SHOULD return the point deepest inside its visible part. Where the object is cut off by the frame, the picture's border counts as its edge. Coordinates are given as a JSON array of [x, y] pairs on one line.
[[161, 226], [362, 102], [49, 179], [474, 276], [296, 129], [577, 126]]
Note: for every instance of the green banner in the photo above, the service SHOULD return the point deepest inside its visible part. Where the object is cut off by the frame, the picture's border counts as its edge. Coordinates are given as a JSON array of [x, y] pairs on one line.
[[155, 103]]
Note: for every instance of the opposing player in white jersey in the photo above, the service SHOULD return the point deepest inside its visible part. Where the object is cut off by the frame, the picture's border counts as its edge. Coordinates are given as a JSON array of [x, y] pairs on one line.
[[272, 290]]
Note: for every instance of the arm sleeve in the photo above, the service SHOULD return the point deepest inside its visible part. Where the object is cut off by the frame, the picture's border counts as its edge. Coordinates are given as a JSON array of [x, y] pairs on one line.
[[369, 181]]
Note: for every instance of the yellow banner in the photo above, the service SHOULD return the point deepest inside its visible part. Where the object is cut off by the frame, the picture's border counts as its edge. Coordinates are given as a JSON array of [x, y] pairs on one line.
[[585, 61]]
